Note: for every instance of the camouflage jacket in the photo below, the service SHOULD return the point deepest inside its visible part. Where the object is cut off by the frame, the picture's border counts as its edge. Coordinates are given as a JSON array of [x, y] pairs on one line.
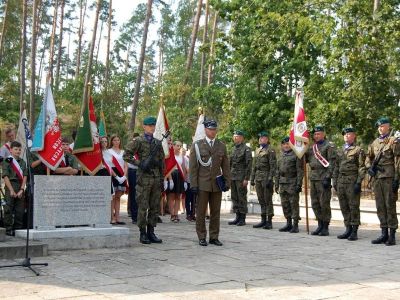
[[240, 162]]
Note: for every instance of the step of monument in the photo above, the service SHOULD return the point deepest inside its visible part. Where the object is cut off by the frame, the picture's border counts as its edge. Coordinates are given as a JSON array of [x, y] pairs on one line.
[[13, 248], [2, 234]]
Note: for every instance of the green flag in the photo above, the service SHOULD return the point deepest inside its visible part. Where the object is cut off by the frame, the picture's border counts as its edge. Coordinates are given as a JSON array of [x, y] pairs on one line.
[[102, 125]]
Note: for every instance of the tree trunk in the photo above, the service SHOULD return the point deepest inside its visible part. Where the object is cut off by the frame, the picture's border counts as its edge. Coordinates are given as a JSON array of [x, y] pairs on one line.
[[60, 41], [203, 54], [376, 8], [3, 31], [53, 35], [213, 37], [107, 75], [80, 34], [23, 57], [92, 44], [33, 65], [135, 100], [98, 44], [195, 30]]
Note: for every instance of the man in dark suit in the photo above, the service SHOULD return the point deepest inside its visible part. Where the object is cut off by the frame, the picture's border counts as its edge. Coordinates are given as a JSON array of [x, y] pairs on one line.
[[208, 160]]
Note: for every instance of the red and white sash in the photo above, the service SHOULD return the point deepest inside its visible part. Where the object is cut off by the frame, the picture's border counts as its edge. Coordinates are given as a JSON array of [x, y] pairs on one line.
[[17, 169], [116, 163], [63, 163], [317, 154], [8, 147]]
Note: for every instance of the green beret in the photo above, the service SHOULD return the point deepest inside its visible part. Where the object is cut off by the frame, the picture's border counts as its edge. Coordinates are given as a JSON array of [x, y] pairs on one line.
[[318, 128], [285, 140], [381, 121], [347, 130], [238, 132], [263, 133], [149, 121]]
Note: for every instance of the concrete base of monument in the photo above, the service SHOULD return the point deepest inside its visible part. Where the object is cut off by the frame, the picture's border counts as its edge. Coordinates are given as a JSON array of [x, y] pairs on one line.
[[80, 237]]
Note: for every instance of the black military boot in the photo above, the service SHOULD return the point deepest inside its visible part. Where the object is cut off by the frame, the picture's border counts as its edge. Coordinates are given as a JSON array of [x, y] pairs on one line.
[[268, 224], [152, 237], [353, 236], [262, 223], [382, 238], [288, 225], [325, 229], [236, 220], [345, 234], [392, 237], [144, 239], [319, 228], [295, 228], [242, 220]]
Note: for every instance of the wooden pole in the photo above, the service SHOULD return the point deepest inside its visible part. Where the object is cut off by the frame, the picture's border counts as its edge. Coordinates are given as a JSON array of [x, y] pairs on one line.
[[306, 194]]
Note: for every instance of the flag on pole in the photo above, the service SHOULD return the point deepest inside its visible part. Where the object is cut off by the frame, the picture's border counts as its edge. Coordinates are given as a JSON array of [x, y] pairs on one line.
[[87, 142], [299, 135], [47, 133], [200, 130], [162, 127], [24, 134], [102, 125]]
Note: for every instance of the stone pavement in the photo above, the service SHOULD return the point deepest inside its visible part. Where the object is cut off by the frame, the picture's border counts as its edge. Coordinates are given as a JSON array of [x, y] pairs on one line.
[[252, 264]]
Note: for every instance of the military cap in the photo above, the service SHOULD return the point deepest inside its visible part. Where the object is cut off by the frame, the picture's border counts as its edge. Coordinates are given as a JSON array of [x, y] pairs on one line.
[[318, 128], [238, 132], [263, 133], [210, 124], [381, 121], [347, 130], [149, 121], [285, 140]]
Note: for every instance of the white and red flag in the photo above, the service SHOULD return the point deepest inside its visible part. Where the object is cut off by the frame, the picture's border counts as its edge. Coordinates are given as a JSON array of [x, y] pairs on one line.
[[47, 133], [162, 127], [299, 135]]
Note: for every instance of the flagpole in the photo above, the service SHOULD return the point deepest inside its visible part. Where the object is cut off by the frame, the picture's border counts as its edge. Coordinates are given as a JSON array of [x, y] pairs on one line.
[[306, 194]]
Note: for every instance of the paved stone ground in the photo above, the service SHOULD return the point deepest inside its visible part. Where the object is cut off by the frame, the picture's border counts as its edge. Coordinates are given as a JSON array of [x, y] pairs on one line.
[[252, 264]]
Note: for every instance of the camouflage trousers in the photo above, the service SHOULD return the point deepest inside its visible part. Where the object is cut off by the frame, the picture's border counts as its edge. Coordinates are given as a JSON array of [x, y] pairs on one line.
[[290, 205], [239, 196], [264, 195], [385, 200], [148, 194], [349, 203], [321, 200], [13, 210]]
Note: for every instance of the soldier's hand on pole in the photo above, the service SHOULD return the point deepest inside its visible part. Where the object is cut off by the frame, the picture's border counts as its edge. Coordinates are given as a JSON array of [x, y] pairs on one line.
[[395, 185], [252, 183], [326, 183], [371, 172], [277, 188], [298, 188], [357, 188]]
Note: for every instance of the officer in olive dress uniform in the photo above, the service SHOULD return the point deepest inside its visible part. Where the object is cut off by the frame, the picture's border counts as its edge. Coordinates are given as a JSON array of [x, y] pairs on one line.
[[209, 160], [150, 178], [383, 163], [348, 175], [321, 159], [263, 172], [288, 183], [240, 171]]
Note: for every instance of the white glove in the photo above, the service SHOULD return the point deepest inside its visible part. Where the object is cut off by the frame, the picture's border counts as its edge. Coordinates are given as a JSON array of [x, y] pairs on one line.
[[185, 186], [165, 185], [171, 184], [121, 180]]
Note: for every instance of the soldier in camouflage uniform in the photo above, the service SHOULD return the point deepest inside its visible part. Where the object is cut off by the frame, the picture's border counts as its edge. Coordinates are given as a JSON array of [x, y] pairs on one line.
[[348, 175], [263, 171], [321, 159], [288, 182], [150, 178], [15, 182], [383, 166]]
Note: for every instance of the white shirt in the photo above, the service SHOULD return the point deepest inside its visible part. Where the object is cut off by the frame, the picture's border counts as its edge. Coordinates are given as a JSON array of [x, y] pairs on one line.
[[210, 140]]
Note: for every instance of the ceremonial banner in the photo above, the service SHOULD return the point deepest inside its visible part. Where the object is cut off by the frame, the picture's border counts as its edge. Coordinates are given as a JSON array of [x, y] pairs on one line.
[[102, 125], [47, 134], [200, 130], [299, 135], [24, 134], [87, 143]]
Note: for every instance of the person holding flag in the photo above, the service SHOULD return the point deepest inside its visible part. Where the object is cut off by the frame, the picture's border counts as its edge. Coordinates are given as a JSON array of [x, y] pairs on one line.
[[15, 175], [147, 153], [68, 164], [321, 158]]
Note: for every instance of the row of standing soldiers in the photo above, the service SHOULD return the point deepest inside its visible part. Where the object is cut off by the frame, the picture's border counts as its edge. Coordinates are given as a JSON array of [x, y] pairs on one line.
[[344, 168]]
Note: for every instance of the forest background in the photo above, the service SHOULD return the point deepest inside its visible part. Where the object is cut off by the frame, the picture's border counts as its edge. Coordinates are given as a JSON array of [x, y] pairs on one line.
[[240, 60]]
